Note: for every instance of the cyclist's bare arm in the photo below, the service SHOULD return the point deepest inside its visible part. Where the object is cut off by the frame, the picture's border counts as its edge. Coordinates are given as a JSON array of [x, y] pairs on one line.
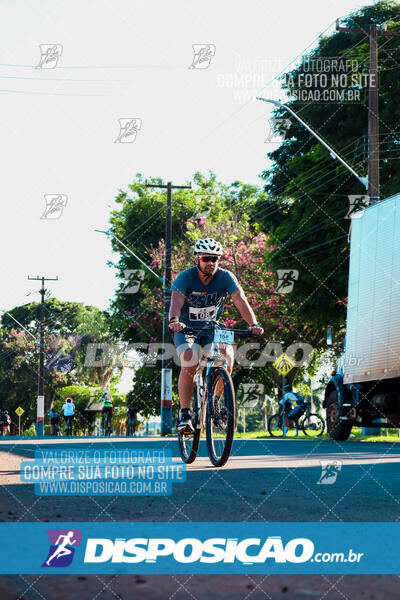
[[240, 301], [177, 301]]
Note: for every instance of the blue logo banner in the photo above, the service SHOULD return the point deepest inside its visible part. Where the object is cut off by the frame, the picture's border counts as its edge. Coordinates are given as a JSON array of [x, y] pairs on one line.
[[215, 548]]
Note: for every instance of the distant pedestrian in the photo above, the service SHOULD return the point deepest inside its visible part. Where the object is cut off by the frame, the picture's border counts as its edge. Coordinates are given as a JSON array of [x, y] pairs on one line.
[[131, 420], [5, 422]]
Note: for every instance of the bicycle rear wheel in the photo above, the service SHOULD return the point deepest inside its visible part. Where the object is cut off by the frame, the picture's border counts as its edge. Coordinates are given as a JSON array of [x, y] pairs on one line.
[[189, 442], [220, 424], [108, 424], [275, 425], [313, 425]]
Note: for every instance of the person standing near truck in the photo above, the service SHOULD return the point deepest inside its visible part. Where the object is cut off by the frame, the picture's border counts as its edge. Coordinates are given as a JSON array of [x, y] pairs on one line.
[[295, 403]]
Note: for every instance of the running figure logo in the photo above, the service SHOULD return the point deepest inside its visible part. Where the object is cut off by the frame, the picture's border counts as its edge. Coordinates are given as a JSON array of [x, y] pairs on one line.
[[62, 547], [133, 278], [357, 206], [50, 54], [287, 279], [203, 54], [128, 129], [329, 472], [278, 129], [252, 394], [55, 204]]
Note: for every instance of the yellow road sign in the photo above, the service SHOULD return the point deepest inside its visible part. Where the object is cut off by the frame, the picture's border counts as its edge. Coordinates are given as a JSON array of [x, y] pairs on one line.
[[283, 364], [20, 411]]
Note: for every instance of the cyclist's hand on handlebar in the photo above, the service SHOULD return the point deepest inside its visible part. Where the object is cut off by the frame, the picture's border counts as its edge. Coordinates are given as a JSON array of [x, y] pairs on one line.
[[175, 327], [256, 330]]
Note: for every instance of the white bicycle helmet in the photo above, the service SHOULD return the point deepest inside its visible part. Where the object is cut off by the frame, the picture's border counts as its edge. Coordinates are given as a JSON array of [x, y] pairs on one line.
[[208, 246]]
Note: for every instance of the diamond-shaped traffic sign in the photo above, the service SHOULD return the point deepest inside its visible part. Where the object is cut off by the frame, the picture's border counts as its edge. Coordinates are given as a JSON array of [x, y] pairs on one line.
[[283, 364], [20, 411]]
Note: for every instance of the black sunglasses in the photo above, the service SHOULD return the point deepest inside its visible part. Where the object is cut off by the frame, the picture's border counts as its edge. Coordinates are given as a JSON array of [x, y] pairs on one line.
[[209, 258]]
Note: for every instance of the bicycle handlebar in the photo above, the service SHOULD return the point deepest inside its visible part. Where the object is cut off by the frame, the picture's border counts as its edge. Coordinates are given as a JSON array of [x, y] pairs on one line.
[[240, 332]]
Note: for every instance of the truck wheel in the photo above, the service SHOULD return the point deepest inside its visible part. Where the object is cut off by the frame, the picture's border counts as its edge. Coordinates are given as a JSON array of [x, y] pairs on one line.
[[337, 429]]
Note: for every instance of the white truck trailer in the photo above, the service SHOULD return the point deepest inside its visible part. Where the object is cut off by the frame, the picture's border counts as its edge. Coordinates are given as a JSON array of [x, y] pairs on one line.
[[365, 388]]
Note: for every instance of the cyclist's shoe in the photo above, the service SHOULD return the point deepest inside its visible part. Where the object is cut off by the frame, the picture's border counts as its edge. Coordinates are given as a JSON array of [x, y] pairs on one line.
[[185, 423]]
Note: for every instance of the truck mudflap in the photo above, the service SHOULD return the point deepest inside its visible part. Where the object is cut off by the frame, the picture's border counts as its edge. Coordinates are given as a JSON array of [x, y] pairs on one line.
[[334, 383]]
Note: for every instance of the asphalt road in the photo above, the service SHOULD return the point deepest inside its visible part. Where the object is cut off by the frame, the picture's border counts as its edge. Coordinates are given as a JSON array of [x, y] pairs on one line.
[[264, 480]]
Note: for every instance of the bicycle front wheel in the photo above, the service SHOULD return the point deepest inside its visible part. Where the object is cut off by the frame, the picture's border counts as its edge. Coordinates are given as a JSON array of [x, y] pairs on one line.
[[313, 425], [275, 425], [189, 442], [220, 421]]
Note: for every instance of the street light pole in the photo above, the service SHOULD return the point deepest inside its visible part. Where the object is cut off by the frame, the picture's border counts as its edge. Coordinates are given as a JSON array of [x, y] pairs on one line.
[[333, 153]]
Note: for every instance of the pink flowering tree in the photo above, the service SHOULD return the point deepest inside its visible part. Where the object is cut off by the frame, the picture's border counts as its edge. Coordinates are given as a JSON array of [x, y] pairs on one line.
[[246, 254]]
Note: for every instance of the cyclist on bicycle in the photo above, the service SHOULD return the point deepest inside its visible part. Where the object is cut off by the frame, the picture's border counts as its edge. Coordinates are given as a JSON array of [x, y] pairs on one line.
[[295, 403], [198, 295], [68, 410], [54, 417], [107, 407]]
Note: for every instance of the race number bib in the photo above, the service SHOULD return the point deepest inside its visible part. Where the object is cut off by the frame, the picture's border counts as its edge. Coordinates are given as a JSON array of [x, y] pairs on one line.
[[202, 314], [224, 336]]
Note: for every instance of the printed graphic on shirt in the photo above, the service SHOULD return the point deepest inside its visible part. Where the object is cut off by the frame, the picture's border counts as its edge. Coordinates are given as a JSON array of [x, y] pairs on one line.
[[204, 306]]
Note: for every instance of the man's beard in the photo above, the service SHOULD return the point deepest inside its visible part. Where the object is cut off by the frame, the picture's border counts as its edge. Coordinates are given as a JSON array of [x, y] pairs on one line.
[[206, 275]]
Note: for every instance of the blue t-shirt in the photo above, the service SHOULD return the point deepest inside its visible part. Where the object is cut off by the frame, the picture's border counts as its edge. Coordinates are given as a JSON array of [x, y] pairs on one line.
[[294, 398], [204, 302]]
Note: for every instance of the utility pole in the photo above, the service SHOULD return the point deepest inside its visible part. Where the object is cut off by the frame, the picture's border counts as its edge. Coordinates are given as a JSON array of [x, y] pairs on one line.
[[373, 105], [40, 398], [166, 367]]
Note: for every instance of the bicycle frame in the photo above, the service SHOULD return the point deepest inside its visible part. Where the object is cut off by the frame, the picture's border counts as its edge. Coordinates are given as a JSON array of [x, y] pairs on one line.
[[207, 363], [214, 359]]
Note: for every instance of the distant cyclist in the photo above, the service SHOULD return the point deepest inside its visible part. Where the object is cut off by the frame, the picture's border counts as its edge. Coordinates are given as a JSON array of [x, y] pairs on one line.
[[68, 410], [54, 417], [198, 296], [294, 402], [107, 408]]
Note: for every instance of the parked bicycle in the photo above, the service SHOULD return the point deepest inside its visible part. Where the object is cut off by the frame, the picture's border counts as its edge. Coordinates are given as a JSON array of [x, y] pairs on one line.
[[213, 404], [311, 424]]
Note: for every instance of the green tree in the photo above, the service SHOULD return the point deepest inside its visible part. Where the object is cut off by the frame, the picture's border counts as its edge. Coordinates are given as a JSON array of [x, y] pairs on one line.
[[246, 254], [308, 192], [69, 329], [139, 221]]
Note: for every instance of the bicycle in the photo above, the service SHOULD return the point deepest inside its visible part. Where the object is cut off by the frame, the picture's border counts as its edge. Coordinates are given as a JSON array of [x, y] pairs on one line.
[[54, 429], [311, 424], [68, 424], [211, 410], [106, 424], [130, 426]]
